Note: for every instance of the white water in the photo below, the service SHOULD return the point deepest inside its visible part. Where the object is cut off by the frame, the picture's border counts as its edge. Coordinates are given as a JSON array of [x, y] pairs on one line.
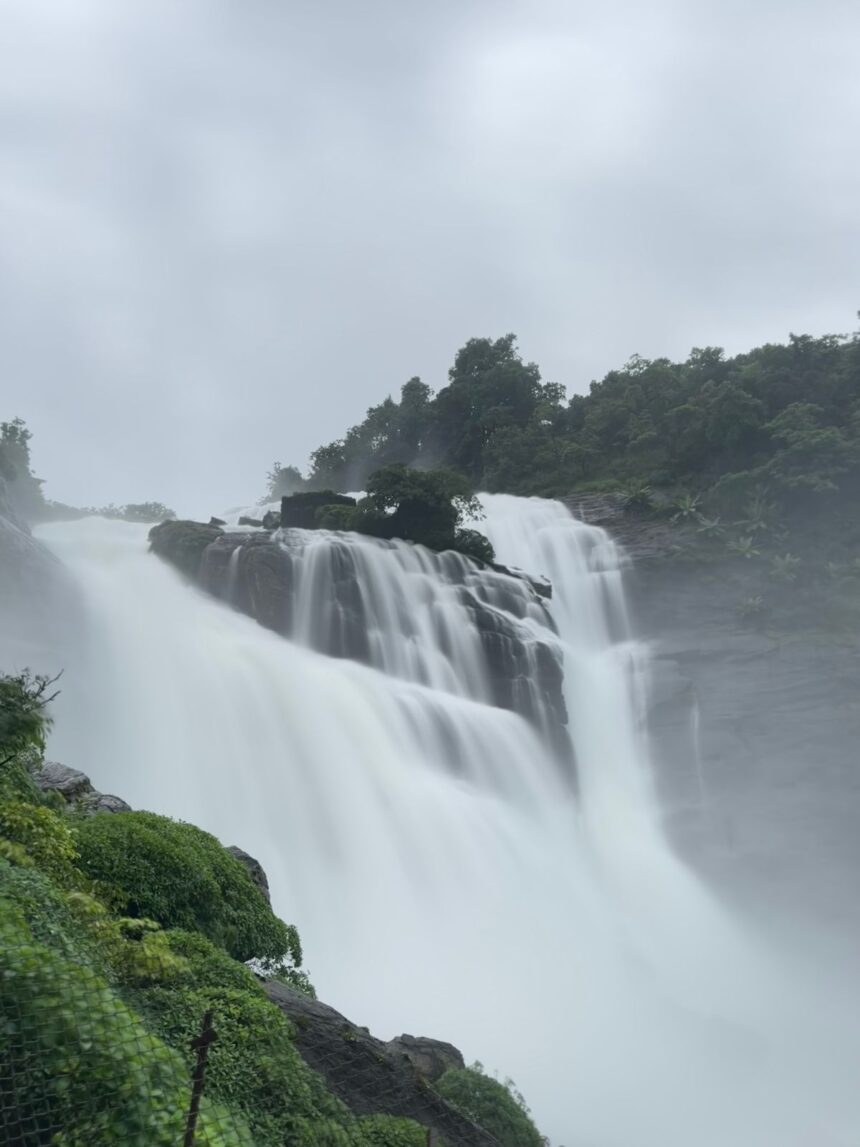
[[444, 878]]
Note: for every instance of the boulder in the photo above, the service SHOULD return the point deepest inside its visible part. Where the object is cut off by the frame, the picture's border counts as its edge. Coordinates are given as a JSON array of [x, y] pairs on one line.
[[102, 802], [246, 521], [217, 522], [183, 543], [369, 1076], [271, 520], [69, 783], [431, 1058], [76, 788], [255, 870]]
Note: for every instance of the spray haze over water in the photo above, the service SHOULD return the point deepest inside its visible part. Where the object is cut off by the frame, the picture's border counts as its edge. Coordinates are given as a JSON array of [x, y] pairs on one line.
[[446, 875]]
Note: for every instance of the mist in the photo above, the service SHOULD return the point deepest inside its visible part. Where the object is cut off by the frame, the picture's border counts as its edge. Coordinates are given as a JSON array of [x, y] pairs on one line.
[[582, 800]]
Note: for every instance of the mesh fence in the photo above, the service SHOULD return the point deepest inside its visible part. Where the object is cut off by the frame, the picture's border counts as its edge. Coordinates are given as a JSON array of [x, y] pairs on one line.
[[132, 1050]]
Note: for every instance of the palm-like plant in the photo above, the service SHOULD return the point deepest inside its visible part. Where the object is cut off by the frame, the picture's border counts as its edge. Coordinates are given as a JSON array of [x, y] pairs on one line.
[[784, 568], [759, 512], [687, 508], [710, 527], [638, 495], [744, 547]]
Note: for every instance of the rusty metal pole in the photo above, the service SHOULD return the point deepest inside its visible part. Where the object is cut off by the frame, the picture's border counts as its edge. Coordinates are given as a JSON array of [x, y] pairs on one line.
[[201, 1046]]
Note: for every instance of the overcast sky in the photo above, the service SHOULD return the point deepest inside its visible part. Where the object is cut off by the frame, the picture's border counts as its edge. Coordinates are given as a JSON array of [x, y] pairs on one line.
[[226, 229]]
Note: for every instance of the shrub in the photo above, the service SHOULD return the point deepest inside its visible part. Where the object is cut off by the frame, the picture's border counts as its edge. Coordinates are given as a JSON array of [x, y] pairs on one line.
[[253, 1066], [43, 835], [50, 918], [182, 877], [474, 544], [638, 496], [496, 1107], [389, 1131], [77, 1067], [338, 517], [24, 721]]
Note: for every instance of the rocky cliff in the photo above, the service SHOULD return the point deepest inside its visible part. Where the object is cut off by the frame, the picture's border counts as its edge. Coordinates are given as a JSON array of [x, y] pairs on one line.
[[754, 718], [342, 595], [35, 595]]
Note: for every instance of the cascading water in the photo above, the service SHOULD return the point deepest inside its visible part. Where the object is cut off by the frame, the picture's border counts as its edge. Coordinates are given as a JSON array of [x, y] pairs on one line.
[[445, 876]]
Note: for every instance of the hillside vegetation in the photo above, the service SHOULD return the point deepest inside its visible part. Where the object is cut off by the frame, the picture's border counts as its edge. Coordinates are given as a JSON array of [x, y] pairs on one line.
[[783, 415]]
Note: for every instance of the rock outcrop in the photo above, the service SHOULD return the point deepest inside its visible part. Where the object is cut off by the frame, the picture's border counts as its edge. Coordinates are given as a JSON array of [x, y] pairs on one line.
[[37, 599], [372, 1077], [76, 788], [183, 543], [255, 870], [430, 1058], [261, 575]]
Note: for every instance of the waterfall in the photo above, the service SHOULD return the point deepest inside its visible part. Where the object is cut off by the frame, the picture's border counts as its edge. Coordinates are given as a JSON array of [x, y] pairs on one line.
[[446, 877]]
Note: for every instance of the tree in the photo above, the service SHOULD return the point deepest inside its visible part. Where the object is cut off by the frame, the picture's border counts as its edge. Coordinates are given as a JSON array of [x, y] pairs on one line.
[[497, 1107], [283, 480], [24, 718], [426, 506], [24, 488], [810, 455]]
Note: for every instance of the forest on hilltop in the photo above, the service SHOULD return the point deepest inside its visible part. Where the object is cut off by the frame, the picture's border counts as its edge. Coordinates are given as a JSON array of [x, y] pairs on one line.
[[784, 416]]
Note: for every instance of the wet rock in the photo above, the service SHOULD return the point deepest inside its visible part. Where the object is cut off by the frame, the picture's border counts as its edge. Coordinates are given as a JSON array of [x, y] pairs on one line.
[[369, 1076], [69, 783], [431, 1058], [102, 802], [217, 522], [255, 870], [261, 576], [183, 543], [271, 520], [246, 521]]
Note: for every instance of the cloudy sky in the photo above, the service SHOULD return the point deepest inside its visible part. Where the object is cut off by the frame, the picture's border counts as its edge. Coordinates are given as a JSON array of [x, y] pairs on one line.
[[228, 228]]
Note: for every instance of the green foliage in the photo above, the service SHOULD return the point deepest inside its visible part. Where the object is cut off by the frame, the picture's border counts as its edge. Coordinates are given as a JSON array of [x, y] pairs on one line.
[[182, 877], [497, 1107], [425, 506], [744, 547], [24, 723], [283, 480], [339, 518], [759, 514], [23, 487], [388, 1131], [784, 567], [254, 1067], [688, 509], [145, 512], [51, 916], [638, 496], [76, 1061], [43, 835], [474, 544], [785, 417]]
